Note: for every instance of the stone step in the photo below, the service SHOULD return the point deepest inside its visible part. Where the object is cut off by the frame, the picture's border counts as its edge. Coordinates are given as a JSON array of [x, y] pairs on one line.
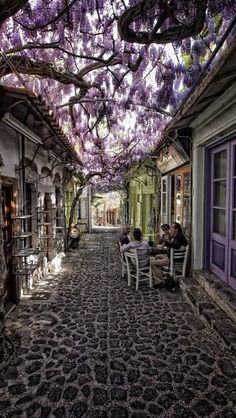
[[208, 310], [223, 295]]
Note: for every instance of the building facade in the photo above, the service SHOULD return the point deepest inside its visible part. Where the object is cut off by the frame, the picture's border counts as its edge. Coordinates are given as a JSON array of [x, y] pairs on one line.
[[214, 162], [174, 163], [143, 190], [210, 114], [35, 158], [106, 209]]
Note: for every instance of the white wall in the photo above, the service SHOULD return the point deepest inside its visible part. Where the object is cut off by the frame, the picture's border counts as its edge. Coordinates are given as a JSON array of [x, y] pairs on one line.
[[9, 149], [198, 181], [11, 155]]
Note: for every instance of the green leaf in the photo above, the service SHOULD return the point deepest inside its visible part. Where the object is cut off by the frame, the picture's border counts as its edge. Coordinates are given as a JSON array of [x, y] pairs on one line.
[[187, 60]]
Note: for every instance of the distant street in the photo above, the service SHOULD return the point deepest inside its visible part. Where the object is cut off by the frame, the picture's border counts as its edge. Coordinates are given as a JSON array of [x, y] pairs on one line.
[[89, 346]]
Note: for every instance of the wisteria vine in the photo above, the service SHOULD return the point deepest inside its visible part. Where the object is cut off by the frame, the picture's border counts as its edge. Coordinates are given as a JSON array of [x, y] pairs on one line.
[[113, 71]]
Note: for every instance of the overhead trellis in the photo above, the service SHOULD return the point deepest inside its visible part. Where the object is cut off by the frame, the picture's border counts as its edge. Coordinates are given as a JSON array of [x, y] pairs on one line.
[[113, 72]]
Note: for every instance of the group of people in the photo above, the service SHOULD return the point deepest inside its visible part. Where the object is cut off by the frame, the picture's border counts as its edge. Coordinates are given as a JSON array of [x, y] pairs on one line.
[[172, 237]]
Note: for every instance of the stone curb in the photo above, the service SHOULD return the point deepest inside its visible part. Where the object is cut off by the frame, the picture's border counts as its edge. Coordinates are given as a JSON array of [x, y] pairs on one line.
[[223, 295], [208, 310]]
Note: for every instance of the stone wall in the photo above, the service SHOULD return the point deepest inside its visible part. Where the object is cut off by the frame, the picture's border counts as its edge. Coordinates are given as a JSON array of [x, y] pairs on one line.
[[2, 280]]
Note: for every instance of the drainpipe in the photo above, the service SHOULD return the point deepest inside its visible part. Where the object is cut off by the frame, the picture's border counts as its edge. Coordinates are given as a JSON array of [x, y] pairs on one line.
[[23, 185]]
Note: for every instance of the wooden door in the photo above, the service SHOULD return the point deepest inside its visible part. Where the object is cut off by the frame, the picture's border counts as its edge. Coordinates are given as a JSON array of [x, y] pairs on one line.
[[181, 199], [232, 217], [9, 285], [219, 209], [164, 200]]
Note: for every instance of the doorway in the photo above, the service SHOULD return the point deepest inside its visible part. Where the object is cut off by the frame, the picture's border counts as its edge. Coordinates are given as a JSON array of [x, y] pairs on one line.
[[10, 291], [223, 212]]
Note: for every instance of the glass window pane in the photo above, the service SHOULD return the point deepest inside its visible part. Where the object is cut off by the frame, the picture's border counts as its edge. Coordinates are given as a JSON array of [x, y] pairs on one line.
[[219, 221], [234, 226], [186, 183], [172, 199], [234, 161], [234, 194], [178, 183], [164, 203], [220, 193], [186, 215], [178, 208], [220, 165], [164, 185]]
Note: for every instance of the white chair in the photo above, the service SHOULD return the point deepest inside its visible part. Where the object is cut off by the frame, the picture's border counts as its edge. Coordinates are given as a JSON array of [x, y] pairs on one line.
[[123, 262], [178, 262], [140, 274]]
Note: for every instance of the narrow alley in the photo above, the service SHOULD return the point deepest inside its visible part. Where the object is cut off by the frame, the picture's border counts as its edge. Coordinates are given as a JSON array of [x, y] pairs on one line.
[[87, 345]]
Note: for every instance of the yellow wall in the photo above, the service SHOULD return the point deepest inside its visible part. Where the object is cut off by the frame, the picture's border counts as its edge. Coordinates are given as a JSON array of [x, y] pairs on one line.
[[141, 190]]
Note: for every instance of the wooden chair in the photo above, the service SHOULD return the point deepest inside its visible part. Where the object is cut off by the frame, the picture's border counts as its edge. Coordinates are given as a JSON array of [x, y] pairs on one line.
[[178, 262], [134, 270]]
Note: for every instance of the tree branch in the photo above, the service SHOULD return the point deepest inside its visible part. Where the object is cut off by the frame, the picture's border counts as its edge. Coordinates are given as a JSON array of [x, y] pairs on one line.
[[10, 8], [55, 45], [113, 60], [43, 69], [157, 35], [49, 22]]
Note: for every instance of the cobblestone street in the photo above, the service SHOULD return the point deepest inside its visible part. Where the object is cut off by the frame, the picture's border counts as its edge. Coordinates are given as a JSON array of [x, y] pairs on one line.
[[86, 345]]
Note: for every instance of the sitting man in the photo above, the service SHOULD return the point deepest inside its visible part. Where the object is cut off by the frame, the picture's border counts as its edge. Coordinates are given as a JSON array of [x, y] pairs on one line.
[[178, 240], [142, 246], [166, 234], [161, 248], [124, 237]]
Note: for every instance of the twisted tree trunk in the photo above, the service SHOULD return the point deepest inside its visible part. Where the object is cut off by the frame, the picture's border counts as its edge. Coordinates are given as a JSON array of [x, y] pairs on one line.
[[84, 182], [10, 8]]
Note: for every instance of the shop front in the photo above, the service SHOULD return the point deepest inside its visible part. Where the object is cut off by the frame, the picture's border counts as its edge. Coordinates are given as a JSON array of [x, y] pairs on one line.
[[174, 165], [210, 115], [31, 192]]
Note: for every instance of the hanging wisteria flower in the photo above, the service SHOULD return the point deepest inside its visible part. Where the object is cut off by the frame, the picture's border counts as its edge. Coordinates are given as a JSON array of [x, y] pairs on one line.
[[111, 85]]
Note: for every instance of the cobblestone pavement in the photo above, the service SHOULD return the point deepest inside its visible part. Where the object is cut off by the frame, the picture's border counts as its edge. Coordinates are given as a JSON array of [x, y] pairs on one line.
[[86, 345]]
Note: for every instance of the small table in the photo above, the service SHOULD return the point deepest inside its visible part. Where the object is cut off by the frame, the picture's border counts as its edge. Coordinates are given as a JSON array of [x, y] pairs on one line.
[[159, 250]]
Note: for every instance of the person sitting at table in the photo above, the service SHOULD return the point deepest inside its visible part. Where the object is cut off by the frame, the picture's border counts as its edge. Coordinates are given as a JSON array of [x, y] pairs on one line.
[[166, 236], [141, 246], [124, 238], [161, 249], [162, 260]]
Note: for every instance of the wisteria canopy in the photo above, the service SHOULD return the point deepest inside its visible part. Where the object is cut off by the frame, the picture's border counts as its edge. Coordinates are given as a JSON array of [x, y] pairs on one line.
[[113, 71]]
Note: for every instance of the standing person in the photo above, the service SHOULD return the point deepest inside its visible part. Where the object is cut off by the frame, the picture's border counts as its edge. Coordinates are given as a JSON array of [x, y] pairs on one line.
[[124, 237], [178, 240], [74, 236], [142, 246]]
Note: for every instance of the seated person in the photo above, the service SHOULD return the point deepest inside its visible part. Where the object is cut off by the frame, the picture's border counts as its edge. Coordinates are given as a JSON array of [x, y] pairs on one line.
[[166, 236], [142, 246], [74, 231], [124, 238], [161, 240], [178, 240]]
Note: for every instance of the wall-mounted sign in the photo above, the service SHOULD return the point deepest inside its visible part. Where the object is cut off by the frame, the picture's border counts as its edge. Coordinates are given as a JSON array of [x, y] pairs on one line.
[[171, 157]]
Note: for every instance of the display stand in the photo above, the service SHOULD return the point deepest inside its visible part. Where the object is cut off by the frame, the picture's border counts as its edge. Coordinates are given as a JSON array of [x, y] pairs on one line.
[[44, 227], [25, 258], [58, 231]]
